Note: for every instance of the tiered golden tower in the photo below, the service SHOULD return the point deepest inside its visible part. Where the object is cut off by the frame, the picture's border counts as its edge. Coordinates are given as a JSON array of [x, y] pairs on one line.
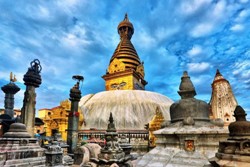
[[125, 71]]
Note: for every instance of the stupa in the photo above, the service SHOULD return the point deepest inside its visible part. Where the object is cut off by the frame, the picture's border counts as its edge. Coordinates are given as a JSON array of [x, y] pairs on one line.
[[235, 151], [17, 148], [125, 94], [190, 138]]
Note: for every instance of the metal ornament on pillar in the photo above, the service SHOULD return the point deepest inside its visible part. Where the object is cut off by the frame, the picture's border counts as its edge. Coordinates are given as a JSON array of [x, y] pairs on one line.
[[32, 79], [73, 120]]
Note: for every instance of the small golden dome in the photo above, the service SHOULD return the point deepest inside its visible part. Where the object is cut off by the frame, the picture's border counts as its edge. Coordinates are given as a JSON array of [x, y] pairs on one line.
[[125, 23]]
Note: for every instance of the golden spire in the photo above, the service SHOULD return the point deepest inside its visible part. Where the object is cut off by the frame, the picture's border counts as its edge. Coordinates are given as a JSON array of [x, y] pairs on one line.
[[125, 50], [125, 65]]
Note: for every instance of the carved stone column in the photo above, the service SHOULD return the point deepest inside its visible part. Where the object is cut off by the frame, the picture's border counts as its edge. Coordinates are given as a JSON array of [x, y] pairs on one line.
[[32, 79], [10, 90], [73, 117]]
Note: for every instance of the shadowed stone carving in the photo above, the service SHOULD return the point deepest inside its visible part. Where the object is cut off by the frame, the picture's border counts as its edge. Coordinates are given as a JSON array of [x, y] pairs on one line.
[[235, 151]]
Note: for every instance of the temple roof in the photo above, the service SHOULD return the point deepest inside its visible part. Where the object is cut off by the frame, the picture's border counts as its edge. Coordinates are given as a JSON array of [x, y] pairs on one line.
[[125, 51]]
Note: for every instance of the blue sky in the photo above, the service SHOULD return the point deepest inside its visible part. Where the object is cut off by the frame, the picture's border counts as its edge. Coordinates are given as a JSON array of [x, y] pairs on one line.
[[79, 37]]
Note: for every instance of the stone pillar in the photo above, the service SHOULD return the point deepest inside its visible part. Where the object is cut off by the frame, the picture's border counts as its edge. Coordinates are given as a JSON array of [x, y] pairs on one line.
[[32, 79], [73, 117], [10, 90]]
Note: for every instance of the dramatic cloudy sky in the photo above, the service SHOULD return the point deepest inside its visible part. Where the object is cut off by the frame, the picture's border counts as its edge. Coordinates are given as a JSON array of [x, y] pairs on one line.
[[79, 37]]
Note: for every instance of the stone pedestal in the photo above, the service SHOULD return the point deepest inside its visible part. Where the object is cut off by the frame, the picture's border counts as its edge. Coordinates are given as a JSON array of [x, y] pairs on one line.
[[54, 155]]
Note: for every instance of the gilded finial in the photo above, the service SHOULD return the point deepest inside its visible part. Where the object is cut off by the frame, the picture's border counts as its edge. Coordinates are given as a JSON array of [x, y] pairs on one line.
[[12, 78]]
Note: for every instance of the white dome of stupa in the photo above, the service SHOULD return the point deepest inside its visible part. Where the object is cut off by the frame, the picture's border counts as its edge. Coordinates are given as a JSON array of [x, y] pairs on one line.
[[131, 109]]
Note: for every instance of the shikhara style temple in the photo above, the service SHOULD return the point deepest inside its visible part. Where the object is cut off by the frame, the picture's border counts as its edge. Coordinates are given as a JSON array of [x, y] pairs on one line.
[[103, 129], [223, 102]]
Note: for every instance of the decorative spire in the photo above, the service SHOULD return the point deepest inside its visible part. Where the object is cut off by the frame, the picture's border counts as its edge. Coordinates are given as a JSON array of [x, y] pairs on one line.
[[126, 17], [186, 87], [218, 77], [218, 73], [111, 125]]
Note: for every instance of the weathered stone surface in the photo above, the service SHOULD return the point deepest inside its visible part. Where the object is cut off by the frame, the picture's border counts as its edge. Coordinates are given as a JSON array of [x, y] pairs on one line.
[[54, 154], [17, 148], [83, 153]]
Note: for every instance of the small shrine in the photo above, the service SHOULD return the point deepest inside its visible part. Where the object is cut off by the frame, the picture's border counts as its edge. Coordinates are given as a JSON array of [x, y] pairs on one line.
[[112, 153], [235, 151], [17, 148], [190, 138]]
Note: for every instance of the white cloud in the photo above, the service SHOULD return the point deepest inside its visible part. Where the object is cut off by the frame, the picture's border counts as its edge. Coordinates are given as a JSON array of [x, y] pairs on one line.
[[196, 50], [145, 39], [44, 12], [189, 8], [218, 11], [215, 15], [163, 32], [71, 41], [69, 5], [243, 1], [202, 29], [197, 67], [242, 69], [243, 15], [237, 27]]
